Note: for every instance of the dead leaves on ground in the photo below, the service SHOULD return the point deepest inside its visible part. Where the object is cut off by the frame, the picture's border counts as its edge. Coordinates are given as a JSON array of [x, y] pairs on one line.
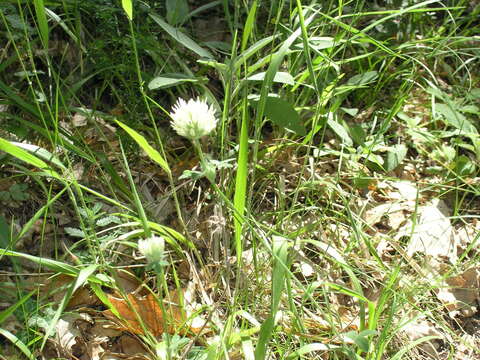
[[142, 315]]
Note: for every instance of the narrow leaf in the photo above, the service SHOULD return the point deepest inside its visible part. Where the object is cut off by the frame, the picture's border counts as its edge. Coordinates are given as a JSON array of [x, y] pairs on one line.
[[142, 142], [181, 37], [127, 6]]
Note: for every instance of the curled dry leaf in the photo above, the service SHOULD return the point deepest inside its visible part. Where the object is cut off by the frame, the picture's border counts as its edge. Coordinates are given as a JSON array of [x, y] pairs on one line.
[[67, 334]]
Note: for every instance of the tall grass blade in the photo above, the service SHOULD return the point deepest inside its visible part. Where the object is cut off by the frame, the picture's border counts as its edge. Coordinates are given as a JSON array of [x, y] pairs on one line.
[[42, 21], [280, 256], [240, 196]]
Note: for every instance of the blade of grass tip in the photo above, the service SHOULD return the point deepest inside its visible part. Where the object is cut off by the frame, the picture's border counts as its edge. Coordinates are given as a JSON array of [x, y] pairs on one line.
[[42, 21], [136, 198], [142, 142], [81, 279], [280, 254], [24, 155], [249, 24], [240, 196], [128, 8]]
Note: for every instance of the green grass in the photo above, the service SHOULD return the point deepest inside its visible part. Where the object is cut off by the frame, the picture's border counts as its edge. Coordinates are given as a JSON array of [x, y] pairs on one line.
[[323, 108]]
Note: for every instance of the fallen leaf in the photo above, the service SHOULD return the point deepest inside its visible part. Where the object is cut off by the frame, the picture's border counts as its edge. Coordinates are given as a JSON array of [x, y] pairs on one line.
[[419, 328], [137, 311], [67, 333], [460, 293], [79, 120], [433, 233]]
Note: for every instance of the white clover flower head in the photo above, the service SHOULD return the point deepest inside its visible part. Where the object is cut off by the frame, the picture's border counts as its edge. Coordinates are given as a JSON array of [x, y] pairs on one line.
[[152, 248], [193, 119]]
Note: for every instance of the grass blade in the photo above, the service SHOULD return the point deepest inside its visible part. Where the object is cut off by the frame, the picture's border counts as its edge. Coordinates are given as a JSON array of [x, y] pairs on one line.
[[42, 21]]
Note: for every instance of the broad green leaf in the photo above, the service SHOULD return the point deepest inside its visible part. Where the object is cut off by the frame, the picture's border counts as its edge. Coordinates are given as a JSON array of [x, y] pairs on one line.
[[395, 156], [280, 77], [283, 114], [464, 166], [181, 37], [127, 6], [340, 131], [455, 118], [142, 142], [363, 79], [168, 80]]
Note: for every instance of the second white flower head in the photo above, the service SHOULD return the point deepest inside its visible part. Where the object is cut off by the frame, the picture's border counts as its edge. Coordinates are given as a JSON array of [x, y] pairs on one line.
[[193, 119]]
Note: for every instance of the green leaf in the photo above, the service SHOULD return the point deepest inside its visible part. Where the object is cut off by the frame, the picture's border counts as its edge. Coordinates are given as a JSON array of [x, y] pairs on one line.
[[464, 166], [127, 6], [142, 142], [280, 77], [51, 264], [181, 37], [455, 118], [363, 79], [18, 343], [241, 177], [74, 232], [395, 156], [23, 155], [41, 153], [168, 80], [42, 21], [340, 131], [358, 134], [18, 192], [280, 247], [177, 11], [283, 114]]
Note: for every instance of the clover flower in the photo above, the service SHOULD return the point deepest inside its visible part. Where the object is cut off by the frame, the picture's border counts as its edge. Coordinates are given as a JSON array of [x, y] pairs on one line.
[[193, 119], [153, 249]]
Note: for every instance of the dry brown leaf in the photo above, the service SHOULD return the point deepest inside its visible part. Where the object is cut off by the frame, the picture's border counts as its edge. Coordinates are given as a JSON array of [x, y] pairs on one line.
[[461, 293], [79, 120], [147, 310], [67, 333]]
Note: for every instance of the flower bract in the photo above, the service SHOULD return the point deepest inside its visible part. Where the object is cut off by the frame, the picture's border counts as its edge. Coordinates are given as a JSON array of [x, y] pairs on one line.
[[193, 119]]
